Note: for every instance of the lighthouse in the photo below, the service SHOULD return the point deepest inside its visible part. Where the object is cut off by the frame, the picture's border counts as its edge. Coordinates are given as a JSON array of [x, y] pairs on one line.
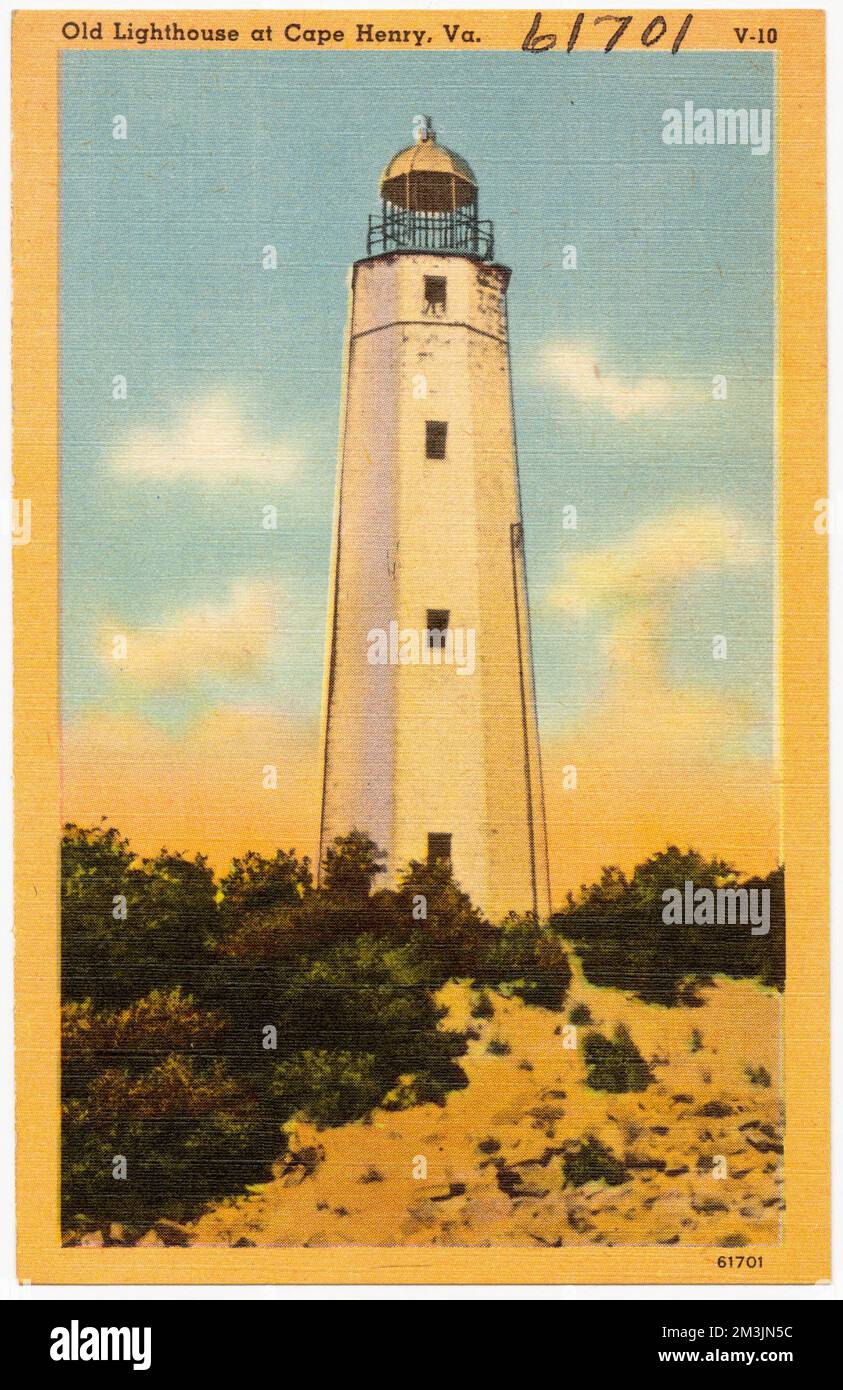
[[430, 739]]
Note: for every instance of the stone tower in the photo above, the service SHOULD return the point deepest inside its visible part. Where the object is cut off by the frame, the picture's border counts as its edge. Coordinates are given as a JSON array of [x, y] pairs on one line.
[[430, 740]]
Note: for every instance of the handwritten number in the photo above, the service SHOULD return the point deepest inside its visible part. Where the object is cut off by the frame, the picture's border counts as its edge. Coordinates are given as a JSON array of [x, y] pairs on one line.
[[541, 44], [686, 24], [645, 37], [623, 22], [654, 32]]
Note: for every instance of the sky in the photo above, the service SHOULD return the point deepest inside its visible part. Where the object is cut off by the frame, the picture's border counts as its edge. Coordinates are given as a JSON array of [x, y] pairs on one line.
[[230, 407]]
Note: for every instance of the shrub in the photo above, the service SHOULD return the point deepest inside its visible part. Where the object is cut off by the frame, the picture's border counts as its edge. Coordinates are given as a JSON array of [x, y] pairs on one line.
[[587, 1160], [352, 864], [328, 1087], [498, 1047], [617, 929], [193, 971], [188, 1136], [160, 942], [615, 1065], [256, 884], [580, 1015], [529, 958]]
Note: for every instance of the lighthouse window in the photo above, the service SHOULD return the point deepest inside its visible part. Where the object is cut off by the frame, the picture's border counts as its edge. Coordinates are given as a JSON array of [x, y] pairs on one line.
[[436, 434], [437, 627], [438, 848], [435, 294]]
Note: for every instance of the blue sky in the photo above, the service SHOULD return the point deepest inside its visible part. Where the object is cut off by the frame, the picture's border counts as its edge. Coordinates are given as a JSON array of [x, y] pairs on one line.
[[161, 280]]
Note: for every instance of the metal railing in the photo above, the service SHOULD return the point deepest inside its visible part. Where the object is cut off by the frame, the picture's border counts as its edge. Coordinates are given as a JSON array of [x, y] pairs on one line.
[[459, 232]]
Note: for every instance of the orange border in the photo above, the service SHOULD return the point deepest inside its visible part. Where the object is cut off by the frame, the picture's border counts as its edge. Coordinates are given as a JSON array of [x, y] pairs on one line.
[[804, 1256]]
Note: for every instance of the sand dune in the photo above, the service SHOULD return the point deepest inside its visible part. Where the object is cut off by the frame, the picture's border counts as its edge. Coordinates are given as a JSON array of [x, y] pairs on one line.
[[493, 1151]]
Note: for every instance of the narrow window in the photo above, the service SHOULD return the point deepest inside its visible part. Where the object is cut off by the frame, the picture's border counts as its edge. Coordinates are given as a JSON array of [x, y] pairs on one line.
[[435, 294], [436, 434], [438, 848], [437, 629]]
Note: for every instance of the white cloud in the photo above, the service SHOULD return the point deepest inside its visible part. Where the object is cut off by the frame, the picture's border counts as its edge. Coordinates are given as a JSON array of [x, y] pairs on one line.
[[210, 443], [654, 559], [232, 638], [575, 368]]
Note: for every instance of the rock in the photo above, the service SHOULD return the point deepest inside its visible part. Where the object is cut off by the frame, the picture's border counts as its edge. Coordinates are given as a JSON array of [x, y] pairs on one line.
[[150, 1239], [641, 1161], [511, 1180], [763, 1137], [301, 1163], [444, 1192], [546, 1114], [371, 1175], [579, 1222], [715, 1110]]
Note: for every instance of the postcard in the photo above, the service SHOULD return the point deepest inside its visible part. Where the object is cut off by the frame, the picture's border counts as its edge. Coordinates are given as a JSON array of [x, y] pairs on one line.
[[420, 529]]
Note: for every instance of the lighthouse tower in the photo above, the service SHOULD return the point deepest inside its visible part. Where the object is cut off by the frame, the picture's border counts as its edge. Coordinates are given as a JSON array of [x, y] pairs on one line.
[[430, 740]]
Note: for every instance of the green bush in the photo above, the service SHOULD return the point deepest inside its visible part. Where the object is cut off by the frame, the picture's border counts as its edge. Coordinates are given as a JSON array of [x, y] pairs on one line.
[[188, 1136], [587, 1160], [615, 1064], [327, 1087], [128, 925], [199, 1021], [580, 1015], [529, 958], [617, 929]]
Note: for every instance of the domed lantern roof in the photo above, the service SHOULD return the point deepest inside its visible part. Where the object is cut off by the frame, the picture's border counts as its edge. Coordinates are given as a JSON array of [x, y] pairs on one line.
[[427, 177]]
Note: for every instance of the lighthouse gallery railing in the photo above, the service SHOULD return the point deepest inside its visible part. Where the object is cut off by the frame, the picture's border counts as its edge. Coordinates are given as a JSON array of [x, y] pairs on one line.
[[459, 232]]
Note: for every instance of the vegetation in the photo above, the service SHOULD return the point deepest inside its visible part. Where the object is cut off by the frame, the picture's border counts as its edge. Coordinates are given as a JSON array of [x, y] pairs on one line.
[[587, 1160], [615, 1064], [580, 1015], [618, 930], [199, 1017]]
